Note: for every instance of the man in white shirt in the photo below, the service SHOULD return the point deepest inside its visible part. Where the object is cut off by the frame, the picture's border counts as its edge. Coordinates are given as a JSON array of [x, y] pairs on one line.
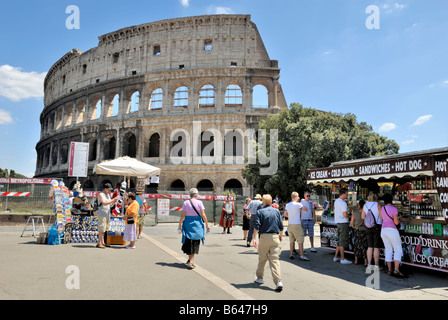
[[342, 220], [293, 211]]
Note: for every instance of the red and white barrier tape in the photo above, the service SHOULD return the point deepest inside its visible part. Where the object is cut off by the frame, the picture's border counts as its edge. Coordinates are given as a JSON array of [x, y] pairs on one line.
[[15, 194]]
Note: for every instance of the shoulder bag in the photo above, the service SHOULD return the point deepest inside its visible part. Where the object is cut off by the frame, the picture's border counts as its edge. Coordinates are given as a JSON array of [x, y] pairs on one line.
[[389, 215], [195, 209]]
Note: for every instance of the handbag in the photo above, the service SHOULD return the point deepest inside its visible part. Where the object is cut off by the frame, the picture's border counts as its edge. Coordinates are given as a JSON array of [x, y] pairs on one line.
[[130, 220]]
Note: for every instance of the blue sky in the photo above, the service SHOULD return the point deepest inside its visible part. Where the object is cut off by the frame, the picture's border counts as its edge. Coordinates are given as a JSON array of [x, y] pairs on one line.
[[395, 78]]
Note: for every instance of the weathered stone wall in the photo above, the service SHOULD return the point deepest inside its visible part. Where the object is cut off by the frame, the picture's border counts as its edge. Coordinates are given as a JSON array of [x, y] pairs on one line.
[[157, 78]]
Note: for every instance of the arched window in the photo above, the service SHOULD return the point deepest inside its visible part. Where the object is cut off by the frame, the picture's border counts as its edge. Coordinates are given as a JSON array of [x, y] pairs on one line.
[[109, 148], [54, 156], [234, 96], [64, 153], [130, 145], [207, 96], [92, 149], [88, 186], [98, 110], [135, 101], [154, 146], [156, 99], [181, 97], [115, 105], [205, 185], [234, 185], [177, 185], [260, 98]]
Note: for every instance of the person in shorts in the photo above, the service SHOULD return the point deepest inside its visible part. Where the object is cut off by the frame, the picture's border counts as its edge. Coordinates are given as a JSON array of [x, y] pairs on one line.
[[293, 211], [342, 219], [143, 212], [308, 219], [103, 213]]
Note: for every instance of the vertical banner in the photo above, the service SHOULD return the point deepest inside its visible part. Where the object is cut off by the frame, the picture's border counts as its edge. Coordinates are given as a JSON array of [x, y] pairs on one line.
[[441, 176], [163, 207], [79, 159], [140, 185]]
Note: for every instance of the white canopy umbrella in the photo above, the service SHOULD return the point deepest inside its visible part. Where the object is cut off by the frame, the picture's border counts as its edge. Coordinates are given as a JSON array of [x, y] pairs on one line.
[[126, 166]]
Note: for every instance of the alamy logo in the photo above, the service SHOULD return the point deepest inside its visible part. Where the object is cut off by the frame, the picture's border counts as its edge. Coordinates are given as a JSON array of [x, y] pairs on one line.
[[73, 20]]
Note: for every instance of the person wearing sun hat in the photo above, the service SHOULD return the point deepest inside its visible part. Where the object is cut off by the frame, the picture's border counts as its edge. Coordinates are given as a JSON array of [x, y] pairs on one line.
[[253, 206]]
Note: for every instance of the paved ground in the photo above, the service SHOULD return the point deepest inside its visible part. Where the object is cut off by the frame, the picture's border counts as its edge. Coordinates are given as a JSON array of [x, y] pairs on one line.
[[155, 270]]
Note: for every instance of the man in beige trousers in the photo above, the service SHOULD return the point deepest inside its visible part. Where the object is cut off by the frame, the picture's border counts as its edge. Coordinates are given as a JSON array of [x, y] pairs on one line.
[[269, 225]]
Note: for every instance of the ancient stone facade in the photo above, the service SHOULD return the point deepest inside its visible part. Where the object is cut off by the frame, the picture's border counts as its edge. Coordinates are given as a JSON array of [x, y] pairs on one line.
[[147, 88]]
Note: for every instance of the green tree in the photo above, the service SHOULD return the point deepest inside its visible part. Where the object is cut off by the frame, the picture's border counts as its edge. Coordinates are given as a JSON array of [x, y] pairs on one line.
[[309, 138]]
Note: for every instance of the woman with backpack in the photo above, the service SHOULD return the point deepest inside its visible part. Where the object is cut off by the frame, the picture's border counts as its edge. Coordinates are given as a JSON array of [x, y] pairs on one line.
[[372, 221], [391, 236]]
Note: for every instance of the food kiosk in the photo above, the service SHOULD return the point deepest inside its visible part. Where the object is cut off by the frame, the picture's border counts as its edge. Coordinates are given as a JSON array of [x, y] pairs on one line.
[[418, 182]]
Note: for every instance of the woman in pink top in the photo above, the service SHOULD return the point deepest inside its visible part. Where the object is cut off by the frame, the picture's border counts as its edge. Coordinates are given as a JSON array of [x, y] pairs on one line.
[[391, 236]]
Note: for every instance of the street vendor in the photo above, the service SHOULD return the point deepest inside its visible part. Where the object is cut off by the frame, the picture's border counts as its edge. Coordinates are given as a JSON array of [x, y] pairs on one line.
[[103, 213]]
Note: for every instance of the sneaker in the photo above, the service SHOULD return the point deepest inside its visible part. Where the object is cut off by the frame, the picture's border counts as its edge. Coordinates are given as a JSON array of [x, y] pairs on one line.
[[345, 261], [279, 286], [291, 257], [336, 259], [313, 250], [259, 280], [369, 269], [303, 258]]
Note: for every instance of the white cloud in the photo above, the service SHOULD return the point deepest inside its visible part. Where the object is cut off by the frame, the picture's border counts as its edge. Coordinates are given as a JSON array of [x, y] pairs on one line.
[[408, 141], [389, 8], [421, 120], [5, 117], [386, 127], [185, 3], [219, 10], [17, 85]]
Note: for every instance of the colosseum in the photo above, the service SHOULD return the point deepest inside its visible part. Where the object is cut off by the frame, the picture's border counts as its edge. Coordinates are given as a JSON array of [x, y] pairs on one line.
[[146, 90]]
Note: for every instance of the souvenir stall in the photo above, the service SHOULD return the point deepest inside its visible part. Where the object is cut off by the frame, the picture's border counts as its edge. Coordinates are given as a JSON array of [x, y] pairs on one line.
[[126, 167], [59, 194], [418, 182]]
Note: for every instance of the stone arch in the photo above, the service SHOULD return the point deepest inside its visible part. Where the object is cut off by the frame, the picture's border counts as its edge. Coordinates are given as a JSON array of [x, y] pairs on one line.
[[88, 185], [260, 95], [130, 145], [181, 96], [93, 147], [205, 185], [207, 95], [234, 185], [233, 95], [64, 153], [80, 111], [134, 101], [109, 147], [177, 185], [112, 104], [154, 145], [156, 98], [55, 155]]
